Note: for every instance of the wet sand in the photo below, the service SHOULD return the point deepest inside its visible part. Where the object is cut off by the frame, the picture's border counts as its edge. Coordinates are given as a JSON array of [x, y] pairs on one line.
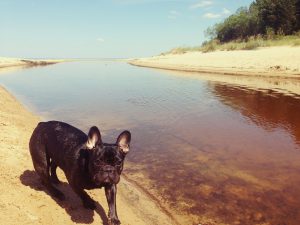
[[25, 201], [269, 68]]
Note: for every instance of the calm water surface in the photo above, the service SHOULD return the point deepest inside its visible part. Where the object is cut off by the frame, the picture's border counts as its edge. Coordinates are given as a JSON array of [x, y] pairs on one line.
[[209, 151]]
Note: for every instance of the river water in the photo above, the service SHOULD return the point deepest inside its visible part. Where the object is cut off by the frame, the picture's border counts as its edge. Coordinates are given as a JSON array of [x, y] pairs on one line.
[[211, 153]]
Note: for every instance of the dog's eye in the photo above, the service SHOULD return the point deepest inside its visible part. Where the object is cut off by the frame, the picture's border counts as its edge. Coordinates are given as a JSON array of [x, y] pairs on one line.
[[119, 163], [98, 162]]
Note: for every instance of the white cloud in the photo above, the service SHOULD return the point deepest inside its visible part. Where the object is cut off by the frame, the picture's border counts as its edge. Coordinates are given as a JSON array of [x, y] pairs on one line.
[[100, 39], [211, 15], [173, 14], [226, 11], [201, 4]]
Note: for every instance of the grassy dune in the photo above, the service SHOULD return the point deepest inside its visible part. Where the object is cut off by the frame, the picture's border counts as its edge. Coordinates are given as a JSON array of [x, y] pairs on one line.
[[250, 44]]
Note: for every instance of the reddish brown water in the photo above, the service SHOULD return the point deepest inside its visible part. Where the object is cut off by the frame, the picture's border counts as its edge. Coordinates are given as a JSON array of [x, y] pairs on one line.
[[238, 165], [208, 151]]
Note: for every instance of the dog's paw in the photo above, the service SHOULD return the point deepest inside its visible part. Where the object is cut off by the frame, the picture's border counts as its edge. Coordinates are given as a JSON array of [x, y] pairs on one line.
[[89, 204], [114, 221]]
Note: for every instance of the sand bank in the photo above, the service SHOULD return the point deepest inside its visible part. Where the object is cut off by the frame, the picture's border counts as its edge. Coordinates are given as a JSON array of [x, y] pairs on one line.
[[23, 199], [273, 68], [10, 62], [14, 63], [273, 61]]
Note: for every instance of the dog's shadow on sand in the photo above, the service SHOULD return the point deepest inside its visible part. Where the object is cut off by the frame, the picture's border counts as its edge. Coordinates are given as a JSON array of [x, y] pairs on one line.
[[72, 204]]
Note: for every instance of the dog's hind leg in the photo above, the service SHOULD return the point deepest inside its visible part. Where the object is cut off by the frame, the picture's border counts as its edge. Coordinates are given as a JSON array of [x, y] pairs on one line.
[[43, 172], [53, 176], [46, 179], [41, 163]]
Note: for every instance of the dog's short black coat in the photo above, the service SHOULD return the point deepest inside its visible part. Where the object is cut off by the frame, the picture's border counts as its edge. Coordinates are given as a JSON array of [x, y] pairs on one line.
[[87, 162]]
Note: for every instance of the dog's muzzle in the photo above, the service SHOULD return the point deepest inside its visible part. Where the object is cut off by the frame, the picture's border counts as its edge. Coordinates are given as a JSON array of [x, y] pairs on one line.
[[107, 174]]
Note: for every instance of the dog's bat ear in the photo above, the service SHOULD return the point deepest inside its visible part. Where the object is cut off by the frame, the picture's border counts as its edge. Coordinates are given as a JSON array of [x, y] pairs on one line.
[[123, 141], [94, 138]]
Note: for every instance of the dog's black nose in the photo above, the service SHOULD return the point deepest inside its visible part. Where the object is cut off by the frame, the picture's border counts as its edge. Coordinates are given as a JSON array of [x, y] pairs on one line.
[[108, 169]]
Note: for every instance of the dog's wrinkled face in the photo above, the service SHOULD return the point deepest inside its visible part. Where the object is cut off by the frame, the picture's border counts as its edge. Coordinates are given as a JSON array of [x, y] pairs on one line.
[[106, 160]]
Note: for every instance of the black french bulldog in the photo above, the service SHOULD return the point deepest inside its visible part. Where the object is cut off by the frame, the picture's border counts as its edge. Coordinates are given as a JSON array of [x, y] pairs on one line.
[[87, 162]]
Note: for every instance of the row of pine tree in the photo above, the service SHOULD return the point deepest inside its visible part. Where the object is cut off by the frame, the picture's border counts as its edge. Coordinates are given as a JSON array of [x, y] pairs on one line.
[[262, 17]]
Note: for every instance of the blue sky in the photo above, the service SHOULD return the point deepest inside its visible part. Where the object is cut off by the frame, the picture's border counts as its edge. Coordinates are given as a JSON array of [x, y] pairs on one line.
[[102, 28]]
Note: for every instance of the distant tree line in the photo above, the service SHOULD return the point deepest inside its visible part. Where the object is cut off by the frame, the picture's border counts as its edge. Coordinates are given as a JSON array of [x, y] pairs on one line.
[[262, 17]]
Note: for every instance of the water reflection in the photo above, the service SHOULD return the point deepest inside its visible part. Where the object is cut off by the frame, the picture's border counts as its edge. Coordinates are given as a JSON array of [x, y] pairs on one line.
[[270, 110]]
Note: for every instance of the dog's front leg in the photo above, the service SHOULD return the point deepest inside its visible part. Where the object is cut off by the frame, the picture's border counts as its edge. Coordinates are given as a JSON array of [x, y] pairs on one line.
[[111, 192], [87, 201]]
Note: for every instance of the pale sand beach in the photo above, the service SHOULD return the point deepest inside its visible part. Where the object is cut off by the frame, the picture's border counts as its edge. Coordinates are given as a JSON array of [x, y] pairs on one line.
[[276, 68], [272, 61], [15, 63], [23, 199]]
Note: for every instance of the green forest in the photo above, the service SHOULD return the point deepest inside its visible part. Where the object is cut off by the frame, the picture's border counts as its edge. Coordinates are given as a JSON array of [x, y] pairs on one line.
[[264, 23], [262, 17]]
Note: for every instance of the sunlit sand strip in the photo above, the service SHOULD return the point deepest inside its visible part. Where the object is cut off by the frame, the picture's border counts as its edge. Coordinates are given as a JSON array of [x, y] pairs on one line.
[[275, 68], [12, 64]]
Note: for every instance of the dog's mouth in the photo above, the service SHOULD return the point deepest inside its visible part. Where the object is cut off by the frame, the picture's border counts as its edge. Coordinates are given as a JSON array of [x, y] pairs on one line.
[[105, 178]]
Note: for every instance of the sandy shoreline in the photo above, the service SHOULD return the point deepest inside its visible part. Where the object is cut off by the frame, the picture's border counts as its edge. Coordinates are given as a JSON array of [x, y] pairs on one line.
[[14, 62], [273, 61], [266, 68], [23, 199]]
